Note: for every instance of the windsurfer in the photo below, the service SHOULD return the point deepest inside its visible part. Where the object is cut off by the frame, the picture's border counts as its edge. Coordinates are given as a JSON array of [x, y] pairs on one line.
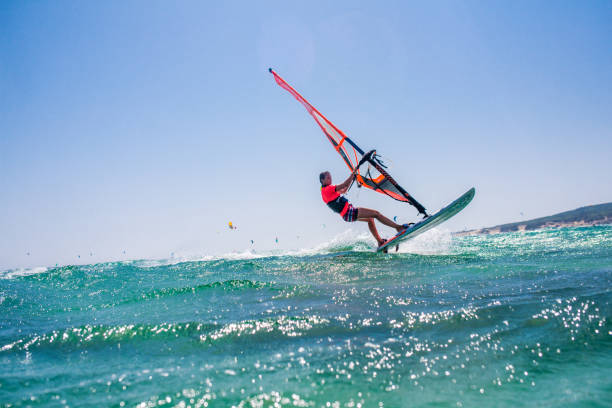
[[332, 196]]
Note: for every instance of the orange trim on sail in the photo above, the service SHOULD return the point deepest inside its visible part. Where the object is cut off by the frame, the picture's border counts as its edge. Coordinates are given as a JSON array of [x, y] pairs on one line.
[[327, 127]]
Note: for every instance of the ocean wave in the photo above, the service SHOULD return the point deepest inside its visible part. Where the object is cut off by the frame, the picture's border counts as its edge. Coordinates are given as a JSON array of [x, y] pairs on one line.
[[206, 333], [277, 399], [577, 240], [348, 240], [438, 242], [21, 272], [89, 335], [287, 326], [232, 284]]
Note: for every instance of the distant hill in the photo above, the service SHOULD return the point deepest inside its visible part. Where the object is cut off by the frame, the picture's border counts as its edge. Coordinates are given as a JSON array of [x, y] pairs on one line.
[[591, 215]]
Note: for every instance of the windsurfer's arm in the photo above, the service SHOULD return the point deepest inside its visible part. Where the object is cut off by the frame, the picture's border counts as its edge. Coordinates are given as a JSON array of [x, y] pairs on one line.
[[342, 188]]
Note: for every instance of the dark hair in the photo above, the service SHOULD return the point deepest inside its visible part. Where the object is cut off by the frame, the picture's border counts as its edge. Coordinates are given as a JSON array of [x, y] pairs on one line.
[[322, 177]]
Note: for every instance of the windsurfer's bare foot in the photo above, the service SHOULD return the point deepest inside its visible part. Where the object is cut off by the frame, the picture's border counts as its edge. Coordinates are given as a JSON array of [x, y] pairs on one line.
[[401, 228], [381, 242]]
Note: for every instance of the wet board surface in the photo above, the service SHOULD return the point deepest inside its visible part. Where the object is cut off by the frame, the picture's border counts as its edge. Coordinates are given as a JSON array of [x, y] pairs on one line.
[[431, 221]]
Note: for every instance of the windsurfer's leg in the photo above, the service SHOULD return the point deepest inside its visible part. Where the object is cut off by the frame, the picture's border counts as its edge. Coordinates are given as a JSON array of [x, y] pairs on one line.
[[373, 230], [364, 213]]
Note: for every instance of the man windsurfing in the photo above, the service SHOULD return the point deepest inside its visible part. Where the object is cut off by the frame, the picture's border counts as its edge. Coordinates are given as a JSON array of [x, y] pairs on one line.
[[332, 196]]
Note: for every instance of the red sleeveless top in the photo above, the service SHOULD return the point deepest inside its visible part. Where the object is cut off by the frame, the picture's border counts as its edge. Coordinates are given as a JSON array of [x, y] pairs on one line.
[[334, 200]]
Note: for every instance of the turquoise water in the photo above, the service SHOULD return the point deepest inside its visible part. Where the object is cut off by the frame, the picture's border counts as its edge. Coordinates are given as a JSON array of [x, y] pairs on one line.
[[519, 319]]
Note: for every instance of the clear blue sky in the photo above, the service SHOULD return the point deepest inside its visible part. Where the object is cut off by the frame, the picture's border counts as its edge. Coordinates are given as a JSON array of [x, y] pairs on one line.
[[146, 126]]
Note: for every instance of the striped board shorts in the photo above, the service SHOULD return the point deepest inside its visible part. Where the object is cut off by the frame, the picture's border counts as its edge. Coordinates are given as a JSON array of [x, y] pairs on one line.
[[351, 214]]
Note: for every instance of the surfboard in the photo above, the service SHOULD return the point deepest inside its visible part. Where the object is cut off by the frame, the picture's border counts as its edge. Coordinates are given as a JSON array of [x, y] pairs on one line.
[[431, 221]]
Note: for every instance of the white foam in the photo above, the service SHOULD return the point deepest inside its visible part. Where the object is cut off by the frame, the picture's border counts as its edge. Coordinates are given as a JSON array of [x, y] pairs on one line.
[[15, 273], [175, 260], [358, 242], [231, 256], [436, 241]]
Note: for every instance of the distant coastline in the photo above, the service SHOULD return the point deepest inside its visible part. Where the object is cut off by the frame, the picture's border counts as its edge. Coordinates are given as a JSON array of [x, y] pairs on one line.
[[599, 214]]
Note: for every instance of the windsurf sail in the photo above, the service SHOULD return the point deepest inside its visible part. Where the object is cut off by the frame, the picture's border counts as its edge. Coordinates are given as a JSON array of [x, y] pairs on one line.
[[375, 177]]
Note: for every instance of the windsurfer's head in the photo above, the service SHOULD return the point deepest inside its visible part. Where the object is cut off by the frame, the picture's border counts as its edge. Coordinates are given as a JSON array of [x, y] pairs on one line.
[[325, 178]]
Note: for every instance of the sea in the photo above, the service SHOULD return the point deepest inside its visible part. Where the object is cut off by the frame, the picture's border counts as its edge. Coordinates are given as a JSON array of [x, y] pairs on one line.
[[519, 319]]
